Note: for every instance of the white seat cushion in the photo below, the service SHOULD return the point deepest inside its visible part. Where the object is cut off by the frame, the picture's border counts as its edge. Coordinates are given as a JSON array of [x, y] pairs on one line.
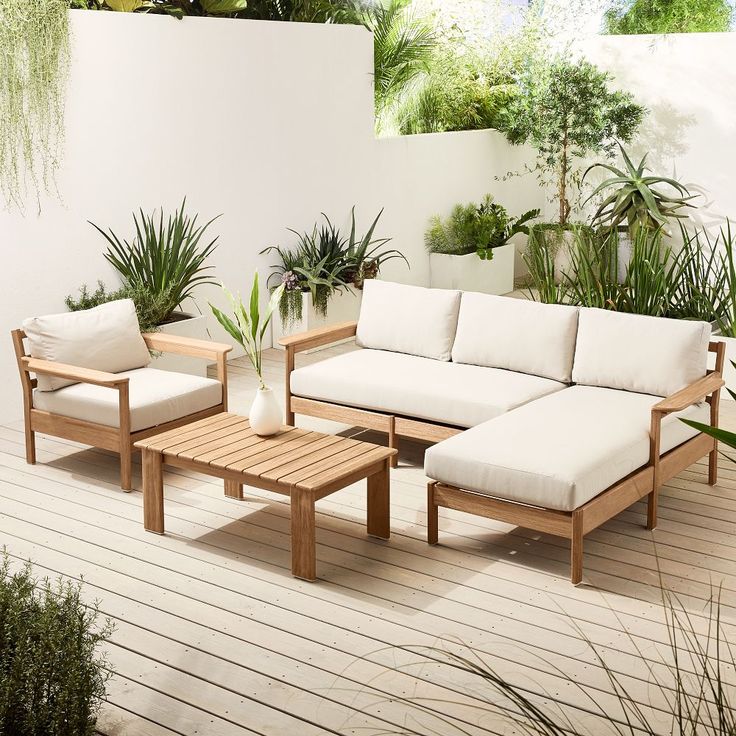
[[408, 319], [406, 385], [650, 355], [156, 397], [559, 451], [516, 334], [105, 338]]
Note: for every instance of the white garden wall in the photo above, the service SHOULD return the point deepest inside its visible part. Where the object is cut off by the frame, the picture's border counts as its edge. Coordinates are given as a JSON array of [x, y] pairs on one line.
[[268, 123]]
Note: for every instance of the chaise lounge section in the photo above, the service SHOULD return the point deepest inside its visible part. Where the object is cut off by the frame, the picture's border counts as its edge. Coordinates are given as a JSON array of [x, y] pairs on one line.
[[550, 417]]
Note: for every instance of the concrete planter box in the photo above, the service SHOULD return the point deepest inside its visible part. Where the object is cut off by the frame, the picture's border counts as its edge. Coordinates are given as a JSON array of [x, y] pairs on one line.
[[729, 373], [185, 325], [470, 273], [342, 307]]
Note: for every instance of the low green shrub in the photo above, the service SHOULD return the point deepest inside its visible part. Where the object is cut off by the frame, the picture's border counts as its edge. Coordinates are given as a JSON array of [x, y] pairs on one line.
[[52, 676]]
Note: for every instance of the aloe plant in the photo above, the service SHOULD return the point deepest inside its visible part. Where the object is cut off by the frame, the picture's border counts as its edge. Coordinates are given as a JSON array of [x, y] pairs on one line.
[[248, 326], [635, 198]]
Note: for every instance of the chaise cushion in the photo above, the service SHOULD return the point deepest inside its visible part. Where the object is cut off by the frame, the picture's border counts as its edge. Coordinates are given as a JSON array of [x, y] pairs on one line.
[[560, 451], [105, 338], [650, 355], [421, 388], [156, 397], [408, 319], [516, 334]]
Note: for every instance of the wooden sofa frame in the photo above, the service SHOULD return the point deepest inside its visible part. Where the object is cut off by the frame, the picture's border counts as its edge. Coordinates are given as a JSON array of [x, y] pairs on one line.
[[572, 525], [118, 439]]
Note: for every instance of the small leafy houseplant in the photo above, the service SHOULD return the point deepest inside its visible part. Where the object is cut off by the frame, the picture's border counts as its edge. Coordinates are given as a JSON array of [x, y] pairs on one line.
[[634, 199], [165, 260], [476, 228], [248, 327], [52, 674], [325, 262]]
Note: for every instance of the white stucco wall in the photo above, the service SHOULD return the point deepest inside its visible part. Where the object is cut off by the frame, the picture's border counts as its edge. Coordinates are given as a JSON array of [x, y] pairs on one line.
[[267, 123]]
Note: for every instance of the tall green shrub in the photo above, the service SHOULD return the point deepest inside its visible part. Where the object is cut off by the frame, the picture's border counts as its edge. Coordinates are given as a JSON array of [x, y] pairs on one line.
[[631, 17], [34, 62], [52, 676]]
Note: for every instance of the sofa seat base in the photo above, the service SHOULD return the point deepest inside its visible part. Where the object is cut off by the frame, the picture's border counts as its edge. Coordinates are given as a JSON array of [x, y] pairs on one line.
[[421, 388], [561, 450]]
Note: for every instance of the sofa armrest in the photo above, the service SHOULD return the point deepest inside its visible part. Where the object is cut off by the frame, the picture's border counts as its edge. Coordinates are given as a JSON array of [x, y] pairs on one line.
[[186, 346], [73, 372], [320, 336], [690, 395]]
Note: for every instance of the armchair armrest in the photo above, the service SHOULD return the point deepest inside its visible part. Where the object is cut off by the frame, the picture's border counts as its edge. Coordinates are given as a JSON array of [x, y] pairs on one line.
[[73, 372], [690, 395], [186, 346], [320, 336]]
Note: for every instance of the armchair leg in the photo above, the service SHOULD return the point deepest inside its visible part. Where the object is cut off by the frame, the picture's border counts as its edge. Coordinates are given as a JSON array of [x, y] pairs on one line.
[[30, 445], [126, 468], [713, 465], [393, 442], [432, 516], [576, 548], [652, 507]]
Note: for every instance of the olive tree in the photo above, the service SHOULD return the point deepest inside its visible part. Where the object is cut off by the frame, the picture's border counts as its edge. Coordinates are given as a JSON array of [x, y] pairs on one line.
[[567, 110]]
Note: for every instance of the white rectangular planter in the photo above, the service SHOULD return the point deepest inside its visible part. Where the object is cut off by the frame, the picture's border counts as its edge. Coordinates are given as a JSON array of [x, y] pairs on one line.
[[342, 307], [470, 273], [193, 325], [729, 373]]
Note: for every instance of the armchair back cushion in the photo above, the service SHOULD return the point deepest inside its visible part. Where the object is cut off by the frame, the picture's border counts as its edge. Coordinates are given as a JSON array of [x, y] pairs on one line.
[[408, 319], [105, 338], [517, 335], [649, 355]]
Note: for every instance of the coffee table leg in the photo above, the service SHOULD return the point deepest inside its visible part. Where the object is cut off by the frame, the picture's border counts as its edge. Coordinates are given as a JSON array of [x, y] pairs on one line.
[[153, 492], [379, 502], [303, 539], [233, 489]]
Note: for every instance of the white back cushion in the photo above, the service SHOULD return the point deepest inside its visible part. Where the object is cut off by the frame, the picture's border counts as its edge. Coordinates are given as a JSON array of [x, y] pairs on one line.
[[516, 334], [408, 319], [649, 355], [105, 338]]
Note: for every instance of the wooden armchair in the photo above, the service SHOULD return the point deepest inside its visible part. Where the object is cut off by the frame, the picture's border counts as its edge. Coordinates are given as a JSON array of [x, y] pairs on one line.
[[135, 404]]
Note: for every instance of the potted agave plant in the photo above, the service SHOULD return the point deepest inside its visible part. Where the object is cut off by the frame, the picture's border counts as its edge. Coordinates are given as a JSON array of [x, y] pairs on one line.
[[248, 328]]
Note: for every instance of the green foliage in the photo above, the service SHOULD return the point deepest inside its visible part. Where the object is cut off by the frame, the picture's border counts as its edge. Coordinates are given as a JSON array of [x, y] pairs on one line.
[[325, 262], [34, 64], [658, 280], [52, 677], [461, 92], [164, 258], [568, 111], [635, 200], [153, 309], [475, 228], [249, 326], [692, 679], [631, 17]]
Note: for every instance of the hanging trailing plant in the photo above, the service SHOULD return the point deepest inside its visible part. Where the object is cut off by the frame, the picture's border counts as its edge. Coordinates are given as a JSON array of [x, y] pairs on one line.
[[34, 63]]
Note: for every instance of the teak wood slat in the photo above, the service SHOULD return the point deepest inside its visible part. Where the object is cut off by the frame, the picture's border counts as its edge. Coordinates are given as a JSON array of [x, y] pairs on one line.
[[120, 438], [303, 465]]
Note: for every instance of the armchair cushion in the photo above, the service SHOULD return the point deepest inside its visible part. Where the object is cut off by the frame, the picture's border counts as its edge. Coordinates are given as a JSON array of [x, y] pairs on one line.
[[560, 451], [421, 388], [516, 334], [156, 397], [408, 319], [649, 355], [105, 338]]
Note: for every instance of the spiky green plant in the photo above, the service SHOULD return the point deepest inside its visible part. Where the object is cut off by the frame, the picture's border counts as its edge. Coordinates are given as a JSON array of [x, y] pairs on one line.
[[166, 257], [34, 67], [248, 325], [630, 17]]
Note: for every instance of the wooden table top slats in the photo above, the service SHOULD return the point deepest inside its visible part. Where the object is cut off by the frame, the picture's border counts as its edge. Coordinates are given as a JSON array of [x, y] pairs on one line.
[[293, 458]]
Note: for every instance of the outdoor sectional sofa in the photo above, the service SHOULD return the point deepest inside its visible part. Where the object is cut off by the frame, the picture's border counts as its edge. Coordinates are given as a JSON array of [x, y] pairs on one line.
[[550, 417]]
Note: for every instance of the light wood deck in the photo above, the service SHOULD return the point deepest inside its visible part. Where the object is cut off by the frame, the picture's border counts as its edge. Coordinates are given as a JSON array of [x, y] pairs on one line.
[[215, 638]]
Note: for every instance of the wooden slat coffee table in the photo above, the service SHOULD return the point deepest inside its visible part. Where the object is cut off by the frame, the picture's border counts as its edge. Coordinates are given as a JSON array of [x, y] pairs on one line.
[[303, 465]]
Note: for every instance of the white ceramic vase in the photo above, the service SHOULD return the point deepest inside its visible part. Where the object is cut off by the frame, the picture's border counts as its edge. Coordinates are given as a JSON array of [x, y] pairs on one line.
[[265, 413]]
